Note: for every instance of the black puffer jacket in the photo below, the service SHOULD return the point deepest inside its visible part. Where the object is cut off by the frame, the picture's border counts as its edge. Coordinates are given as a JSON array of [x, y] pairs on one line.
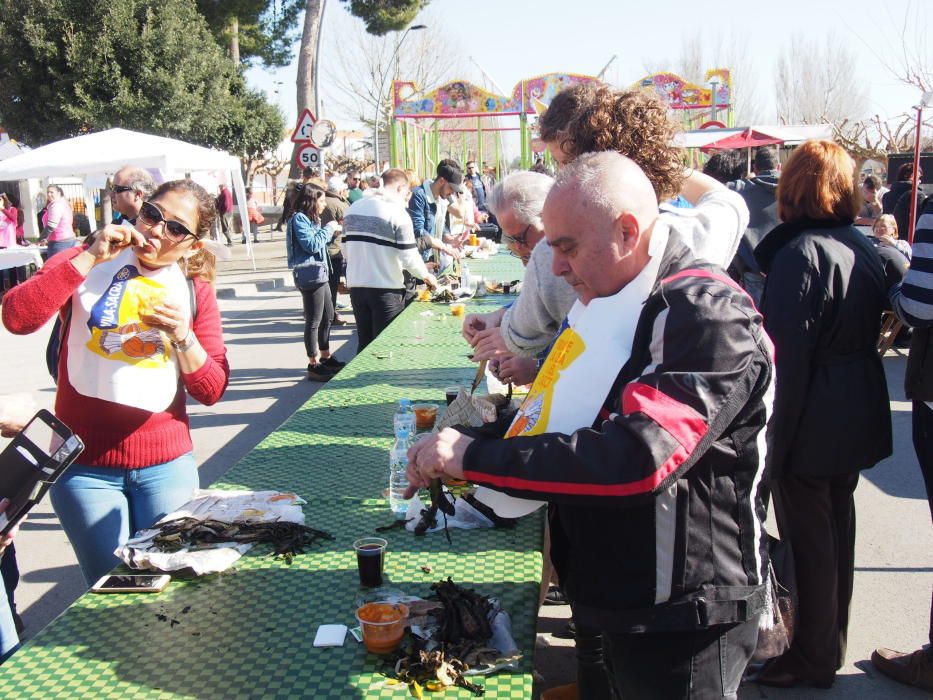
[[822, 305]]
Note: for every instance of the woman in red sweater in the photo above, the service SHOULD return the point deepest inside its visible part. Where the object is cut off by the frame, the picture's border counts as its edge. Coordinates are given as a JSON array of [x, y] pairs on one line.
[[136, 341]]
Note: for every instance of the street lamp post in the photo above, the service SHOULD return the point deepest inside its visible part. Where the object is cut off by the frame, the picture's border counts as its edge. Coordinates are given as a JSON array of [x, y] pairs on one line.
[[926, 100], [414, 27]]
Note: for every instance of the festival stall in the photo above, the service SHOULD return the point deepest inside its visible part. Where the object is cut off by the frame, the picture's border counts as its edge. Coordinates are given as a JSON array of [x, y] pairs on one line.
[[101, 154]]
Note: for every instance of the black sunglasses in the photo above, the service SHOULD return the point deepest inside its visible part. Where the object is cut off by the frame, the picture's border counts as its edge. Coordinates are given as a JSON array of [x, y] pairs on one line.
[[153, 216], [118, 189]]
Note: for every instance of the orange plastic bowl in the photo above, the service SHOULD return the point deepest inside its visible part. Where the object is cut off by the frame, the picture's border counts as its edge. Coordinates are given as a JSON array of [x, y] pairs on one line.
[[383, 626]]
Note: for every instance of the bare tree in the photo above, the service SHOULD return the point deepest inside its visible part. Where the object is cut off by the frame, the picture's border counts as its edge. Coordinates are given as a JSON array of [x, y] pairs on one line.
[[816, 82], [306, 63], [360, 66], [911, 61]]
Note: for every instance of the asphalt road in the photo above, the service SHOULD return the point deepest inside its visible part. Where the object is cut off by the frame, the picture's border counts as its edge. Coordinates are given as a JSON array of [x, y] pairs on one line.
[[263, 331]]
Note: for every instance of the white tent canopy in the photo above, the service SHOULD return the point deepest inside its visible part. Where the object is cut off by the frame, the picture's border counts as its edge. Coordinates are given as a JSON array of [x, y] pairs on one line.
[[105, 152]]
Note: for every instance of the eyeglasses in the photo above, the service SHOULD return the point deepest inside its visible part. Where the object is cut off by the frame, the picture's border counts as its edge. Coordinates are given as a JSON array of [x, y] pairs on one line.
[[118, 189], [151, 215], [521, 240]]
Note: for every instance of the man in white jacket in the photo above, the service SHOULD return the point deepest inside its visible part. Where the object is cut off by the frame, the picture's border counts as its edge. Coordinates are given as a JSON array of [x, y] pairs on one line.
[[379, 246]]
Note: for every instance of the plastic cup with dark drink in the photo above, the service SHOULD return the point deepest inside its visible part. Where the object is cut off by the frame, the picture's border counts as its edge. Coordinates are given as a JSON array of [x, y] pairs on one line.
[[451, 392], [370, 558]]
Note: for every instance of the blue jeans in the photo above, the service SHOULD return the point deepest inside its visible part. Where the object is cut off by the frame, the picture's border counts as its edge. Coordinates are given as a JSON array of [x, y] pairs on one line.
[[101, 507], [55, 247], [9, 639]]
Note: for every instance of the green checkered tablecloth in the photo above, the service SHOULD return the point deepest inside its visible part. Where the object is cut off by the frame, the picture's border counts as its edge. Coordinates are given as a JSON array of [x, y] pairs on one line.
[[249, 633]]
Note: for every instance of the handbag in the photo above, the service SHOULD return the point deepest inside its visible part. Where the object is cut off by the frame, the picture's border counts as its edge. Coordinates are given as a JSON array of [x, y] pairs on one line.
[[311, 273]]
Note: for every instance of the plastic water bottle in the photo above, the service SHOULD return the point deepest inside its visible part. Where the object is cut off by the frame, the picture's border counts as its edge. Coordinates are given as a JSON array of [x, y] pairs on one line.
[[465, 280], [398, 479], [404, 418]]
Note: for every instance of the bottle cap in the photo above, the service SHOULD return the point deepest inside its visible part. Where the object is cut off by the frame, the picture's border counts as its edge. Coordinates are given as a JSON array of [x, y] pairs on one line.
[[404, 403]]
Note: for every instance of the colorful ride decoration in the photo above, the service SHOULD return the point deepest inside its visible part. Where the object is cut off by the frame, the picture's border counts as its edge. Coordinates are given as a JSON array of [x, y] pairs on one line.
[[694, 104], [466, 105], [461, 98]]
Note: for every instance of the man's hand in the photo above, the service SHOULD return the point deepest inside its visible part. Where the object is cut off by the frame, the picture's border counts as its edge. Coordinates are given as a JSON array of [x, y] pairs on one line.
[[431, 281], [15, 411], [452, 252], [436, 456], [489, 345], [517, 370], [474, 323]]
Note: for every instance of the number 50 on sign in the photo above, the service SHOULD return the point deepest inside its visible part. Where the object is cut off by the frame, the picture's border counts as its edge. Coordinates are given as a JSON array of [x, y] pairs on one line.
[[308, 157]]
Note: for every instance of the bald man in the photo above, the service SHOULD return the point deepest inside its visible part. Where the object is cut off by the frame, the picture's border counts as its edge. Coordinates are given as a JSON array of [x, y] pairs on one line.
[[130, 187], [644, 432]]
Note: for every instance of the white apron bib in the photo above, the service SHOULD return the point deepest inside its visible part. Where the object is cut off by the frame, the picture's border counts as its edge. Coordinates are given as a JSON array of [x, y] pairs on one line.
[[581, 368], [112, 354]]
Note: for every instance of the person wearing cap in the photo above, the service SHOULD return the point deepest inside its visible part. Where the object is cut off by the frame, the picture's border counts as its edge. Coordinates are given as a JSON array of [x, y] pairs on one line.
[[428, 208], [334, 210]]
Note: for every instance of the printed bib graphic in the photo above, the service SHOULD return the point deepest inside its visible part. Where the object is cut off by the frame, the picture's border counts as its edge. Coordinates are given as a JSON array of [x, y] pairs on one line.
[[117, 331], [532, 418]]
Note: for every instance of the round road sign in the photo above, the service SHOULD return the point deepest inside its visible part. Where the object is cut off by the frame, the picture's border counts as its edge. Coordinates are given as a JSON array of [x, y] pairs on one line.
[[308, 157]]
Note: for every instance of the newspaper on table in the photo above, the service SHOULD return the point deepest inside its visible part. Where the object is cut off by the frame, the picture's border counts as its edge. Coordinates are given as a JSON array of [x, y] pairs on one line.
[[140, 552]]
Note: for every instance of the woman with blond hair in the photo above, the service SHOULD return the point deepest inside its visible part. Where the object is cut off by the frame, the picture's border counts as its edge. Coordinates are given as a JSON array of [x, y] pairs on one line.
[[822, 303]]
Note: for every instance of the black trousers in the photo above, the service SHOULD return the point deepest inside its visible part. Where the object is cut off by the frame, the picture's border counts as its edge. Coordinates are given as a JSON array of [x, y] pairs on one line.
[[817, 515], [319, 314], [701, 664], [923, 444], [374, 309], [336, 265]]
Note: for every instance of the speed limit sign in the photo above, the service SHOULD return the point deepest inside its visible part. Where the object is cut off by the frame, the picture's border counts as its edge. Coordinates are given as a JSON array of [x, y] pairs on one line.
[[308, 156]]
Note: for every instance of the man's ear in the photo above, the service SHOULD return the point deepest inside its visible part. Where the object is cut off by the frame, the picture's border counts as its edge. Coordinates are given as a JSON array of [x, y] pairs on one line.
[[628, 228]]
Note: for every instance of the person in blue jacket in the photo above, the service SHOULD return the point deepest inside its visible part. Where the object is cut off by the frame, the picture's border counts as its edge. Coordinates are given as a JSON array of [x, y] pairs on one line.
[[306, 244]]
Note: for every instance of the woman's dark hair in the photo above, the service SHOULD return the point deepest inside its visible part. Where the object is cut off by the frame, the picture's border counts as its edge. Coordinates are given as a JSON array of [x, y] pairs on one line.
[[203, 263], [306, 202], [726, 166], [589, 118]]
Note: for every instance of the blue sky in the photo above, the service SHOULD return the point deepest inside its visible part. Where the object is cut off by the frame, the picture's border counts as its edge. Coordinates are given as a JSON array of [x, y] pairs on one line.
[[514, 39]]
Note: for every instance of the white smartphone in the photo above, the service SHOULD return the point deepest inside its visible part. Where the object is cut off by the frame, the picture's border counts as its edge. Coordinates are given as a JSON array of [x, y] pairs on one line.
[[132, 583]]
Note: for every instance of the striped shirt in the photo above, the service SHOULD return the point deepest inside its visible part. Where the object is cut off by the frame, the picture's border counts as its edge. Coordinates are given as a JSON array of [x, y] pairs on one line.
[[379, 244], [912, 300]]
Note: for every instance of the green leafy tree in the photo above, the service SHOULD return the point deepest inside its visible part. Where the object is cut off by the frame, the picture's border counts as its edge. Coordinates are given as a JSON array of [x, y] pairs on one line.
[[76, 66], [382, 16], [254, 31]]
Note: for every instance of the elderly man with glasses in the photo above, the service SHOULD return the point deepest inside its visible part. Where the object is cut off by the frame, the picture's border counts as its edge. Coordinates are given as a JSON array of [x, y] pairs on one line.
[[130, 187], [514, 334]]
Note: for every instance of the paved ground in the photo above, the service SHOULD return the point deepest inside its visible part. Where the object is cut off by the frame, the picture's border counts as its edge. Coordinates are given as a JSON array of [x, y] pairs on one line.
[[263, 326]]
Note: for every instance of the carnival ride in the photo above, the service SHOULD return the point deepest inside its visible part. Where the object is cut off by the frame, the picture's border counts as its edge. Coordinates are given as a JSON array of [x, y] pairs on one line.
[[416, 132]]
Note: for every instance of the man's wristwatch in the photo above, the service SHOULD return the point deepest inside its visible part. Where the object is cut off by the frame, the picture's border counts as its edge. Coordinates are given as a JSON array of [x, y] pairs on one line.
[[185, 343]]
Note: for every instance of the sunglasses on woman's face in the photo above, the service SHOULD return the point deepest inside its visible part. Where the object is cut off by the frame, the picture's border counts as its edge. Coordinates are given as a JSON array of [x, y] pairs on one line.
[[174, 231]]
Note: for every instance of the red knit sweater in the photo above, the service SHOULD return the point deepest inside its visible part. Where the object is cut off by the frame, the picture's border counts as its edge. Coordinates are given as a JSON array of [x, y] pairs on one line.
[[116, 435]]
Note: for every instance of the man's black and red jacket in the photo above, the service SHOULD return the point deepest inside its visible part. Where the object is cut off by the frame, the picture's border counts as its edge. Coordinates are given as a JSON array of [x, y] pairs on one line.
[[657, 510]]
